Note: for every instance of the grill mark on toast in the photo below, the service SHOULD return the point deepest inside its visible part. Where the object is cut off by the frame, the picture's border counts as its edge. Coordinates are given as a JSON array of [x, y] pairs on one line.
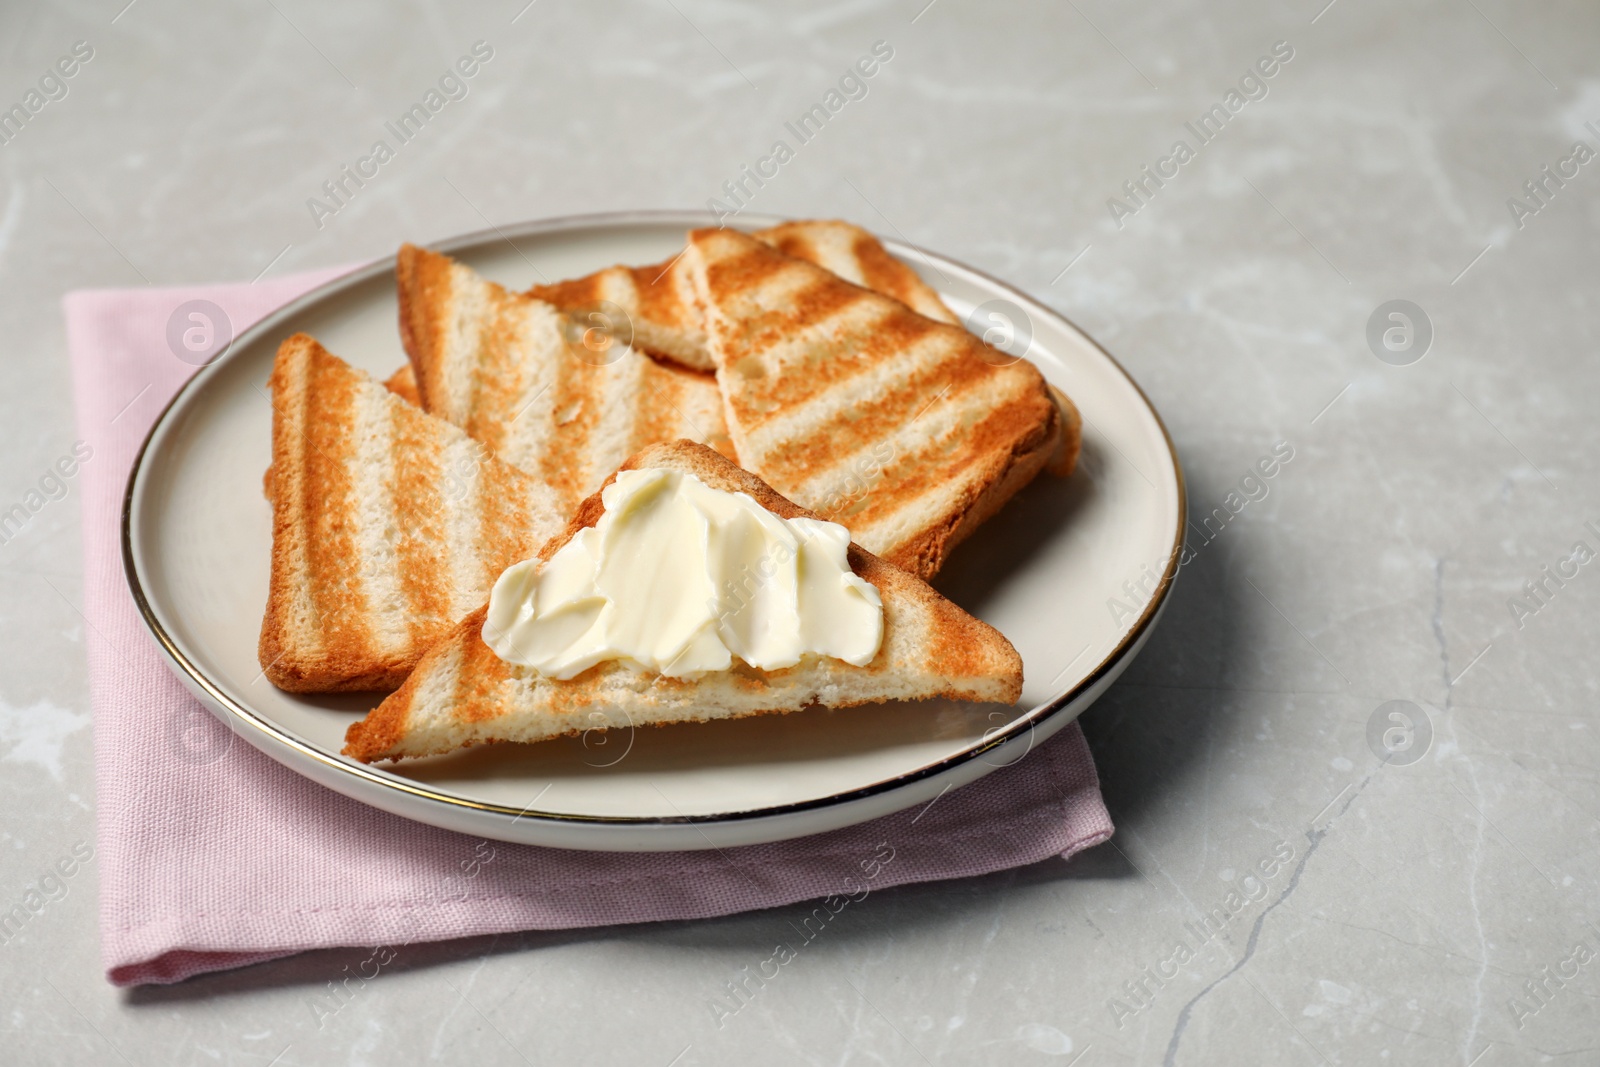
[[836, 333], [817, 310], [417, 483], [429, 286], [661, 296], [859, 258], [575, 398], [328, 501], [377, 538], [921, 475], [495, 373], [668, 320], [830, 244], [418, 330], [541, 500], [658, 299], [742, 273], [480, 674], [871, 405], [888, 275], [796, 243], [657, 404], [879, 270], [574, 292], [946, 465], [922, 552], [500, 506]]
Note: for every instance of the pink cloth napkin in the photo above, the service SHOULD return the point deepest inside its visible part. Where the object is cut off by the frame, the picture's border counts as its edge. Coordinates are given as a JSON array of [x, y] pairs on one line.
[[212, 855]]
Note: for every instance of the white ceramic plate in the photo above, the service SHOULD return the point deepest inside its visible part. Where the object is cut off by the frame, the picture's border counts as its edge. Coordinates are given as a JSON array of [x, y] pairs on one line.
[[1049, 571]]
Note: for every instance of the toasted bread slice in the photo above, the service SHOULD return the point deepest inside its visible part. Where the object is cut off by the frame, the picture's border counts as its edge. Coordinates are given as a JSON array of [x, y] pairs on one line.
[[668, 320], [388, 525], [909, 432], [463, 694], [512, 371]]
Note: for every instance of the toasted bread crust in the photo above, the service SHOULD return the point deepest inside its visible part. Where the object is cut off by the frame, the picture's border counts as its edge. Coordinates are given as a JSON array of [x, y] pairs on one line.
[[823, 380], [422, 288], [1064, 459], [926, 552], [304, 433], [972, 660], [381, 540]]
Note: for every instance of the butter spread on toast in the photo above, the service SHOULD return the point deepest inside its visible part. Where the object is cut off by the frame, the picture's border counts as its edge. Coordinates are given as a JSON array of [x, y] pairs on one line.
[[677, 577]]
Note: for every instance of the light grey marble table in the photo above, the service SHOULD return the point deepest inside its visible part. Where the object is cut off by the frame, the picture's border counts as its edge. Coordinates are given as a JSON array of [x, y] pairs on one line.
[[1276, 893]]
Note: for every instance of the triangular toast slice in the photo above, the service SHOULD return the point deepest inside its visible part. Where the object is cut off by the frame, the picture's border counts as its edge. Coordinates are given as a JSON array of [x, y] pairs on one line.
[[535, 386], [388, 525], [463, 694], [909, 432]]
